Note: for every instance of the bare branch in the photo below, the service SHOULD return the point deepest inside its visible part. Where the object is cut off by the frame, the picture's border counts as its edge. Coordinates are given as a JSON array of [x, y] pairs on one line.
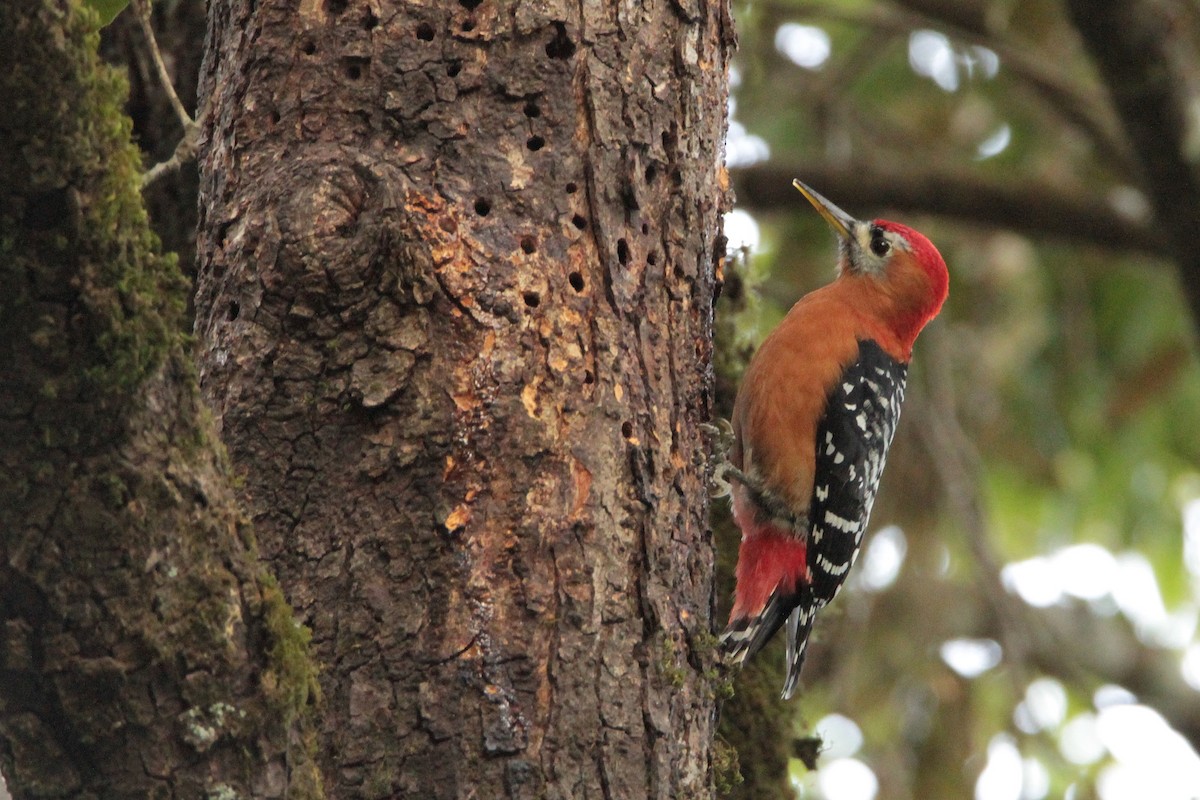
[[959, 468], [1037, 210], [186, 149], [1082, 107], [1146, 55], [142, 8]]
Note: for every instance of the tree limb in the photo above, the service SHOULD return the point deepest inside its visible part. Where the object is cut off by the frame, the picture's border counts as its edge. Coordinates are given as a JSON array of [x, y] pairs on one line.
[[1082, 107], [186, 149], [1031, 209], [1145, 53]]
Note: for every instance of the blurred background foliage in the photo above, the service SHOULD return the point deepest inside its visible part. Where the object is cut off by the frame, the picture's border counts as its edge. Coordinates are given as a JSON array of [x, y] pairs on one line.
[[1022, 621]]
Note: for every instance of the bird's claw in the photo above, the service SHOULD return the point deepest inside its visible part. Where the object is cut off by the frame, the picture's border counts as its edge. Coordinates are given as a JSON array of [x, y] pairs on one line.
[[721, 434]]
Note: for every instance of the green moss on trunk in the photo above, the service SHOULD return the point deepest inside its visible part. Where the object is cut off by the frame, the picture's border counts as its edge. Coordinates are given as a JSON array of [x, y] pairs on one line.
[[164, 666]]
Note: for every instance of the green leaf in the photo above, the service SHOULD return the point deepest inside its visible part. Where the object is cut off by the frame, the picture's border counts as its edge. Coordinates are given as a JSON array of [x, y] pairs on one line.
[[107, 9]]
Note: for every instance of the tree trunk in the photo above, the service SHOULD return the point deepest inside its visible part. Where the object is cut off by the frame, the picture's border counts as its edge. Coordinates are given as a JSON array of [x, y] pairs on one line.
[[455, 304], [143, 653]]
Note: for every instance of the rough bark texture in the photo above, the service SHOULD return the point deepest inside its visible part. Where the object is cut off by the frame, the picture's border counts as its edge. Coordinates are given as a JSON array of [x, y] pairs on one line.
[[142, 651], [456, 279]]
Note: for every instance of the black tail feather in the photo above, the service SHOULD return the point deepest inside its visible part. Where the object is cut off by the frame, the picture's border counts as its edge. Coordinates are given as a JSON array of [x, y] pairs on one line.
[[745, 636]]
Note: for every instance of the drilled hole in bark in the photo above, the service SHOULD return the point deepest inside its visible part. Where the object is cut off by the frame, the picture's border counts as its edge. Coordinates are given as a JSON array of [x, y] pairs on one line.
[[561, 45], [453, 68], [425, 32], [335, 7], [483, 207], [370, 21], [470, 5], [355, 67], [308, 48], [668, 140], [576, 280], [535, 143], [531, 299], [645, 228], [652, 258], [468, 25], [589, 378], [651, 173], [528, 245], [275, 117], [623, 251], [234, 310], [579, 222], [627, 429], [532, 111], [572, 188]]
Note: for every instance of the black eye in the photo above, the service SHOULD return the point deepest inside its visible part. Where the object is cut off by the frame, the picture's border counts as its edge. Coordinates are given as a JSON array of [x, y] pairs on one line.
[[879, 244]]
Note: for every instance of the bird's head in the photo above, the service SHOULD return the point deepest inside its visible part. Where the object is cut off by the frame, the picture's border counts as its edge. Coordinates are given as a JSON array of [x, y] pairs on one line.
[[901, 264]]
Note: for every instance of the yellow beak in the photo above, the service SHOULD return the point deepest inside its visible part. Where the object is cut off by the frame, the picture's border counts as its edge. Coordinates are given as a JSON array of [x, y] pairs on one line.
[[839, 220]]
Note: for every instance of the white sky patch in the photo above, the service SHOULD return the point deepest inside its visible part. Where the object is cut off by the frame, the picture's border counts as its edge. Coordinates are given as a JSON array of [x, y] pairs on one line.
[[995, 144], [1044, 706], [847, 779], [1035, 580], [742, 231], [1153, 760], [970, 658], [1035, 779], [1189, 667], [743, 148], [1137, 594], [1191, 537], [930, 55], [980, 61], [882, 559], [841, 736], [804, 45], [1088, 571], [945, 560], [1079, 742], [1122, 582], [1110, 694], [1001, 778]]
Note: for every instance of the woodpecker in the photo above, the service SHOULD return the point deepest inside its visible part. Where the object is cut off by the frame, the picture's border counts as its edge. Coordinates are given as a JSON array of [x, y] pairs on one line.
[[812, 424]]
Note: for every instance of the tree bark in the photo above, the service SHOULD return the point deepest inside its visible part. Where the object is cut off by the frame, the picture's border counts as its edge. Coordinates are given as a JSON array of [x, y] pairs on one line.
[[455, 304], [143, 652]]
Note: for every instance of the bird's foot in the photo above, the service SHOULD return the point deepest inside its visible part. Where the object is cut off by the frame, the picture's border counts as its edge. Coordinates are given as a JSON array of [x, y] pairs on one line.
[[721, 435]]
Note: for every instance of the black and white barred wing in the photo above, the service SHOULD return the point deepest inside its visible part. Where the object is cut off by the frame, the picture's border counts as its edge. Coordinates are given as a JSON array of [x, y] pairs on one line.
[[852, 443]]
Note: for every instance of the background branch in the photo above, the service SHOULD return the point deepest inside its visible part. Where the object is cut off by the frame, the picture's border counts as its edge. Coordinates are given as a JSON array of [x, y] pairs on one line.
[[1081, 106], [1028, 208], [1146, 55], [185, 150]]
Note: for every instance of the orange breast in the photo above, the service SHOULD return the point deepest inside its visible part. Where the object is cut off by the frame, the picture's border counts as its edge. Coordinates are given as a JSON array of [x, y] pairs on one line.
[[785, 388]]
